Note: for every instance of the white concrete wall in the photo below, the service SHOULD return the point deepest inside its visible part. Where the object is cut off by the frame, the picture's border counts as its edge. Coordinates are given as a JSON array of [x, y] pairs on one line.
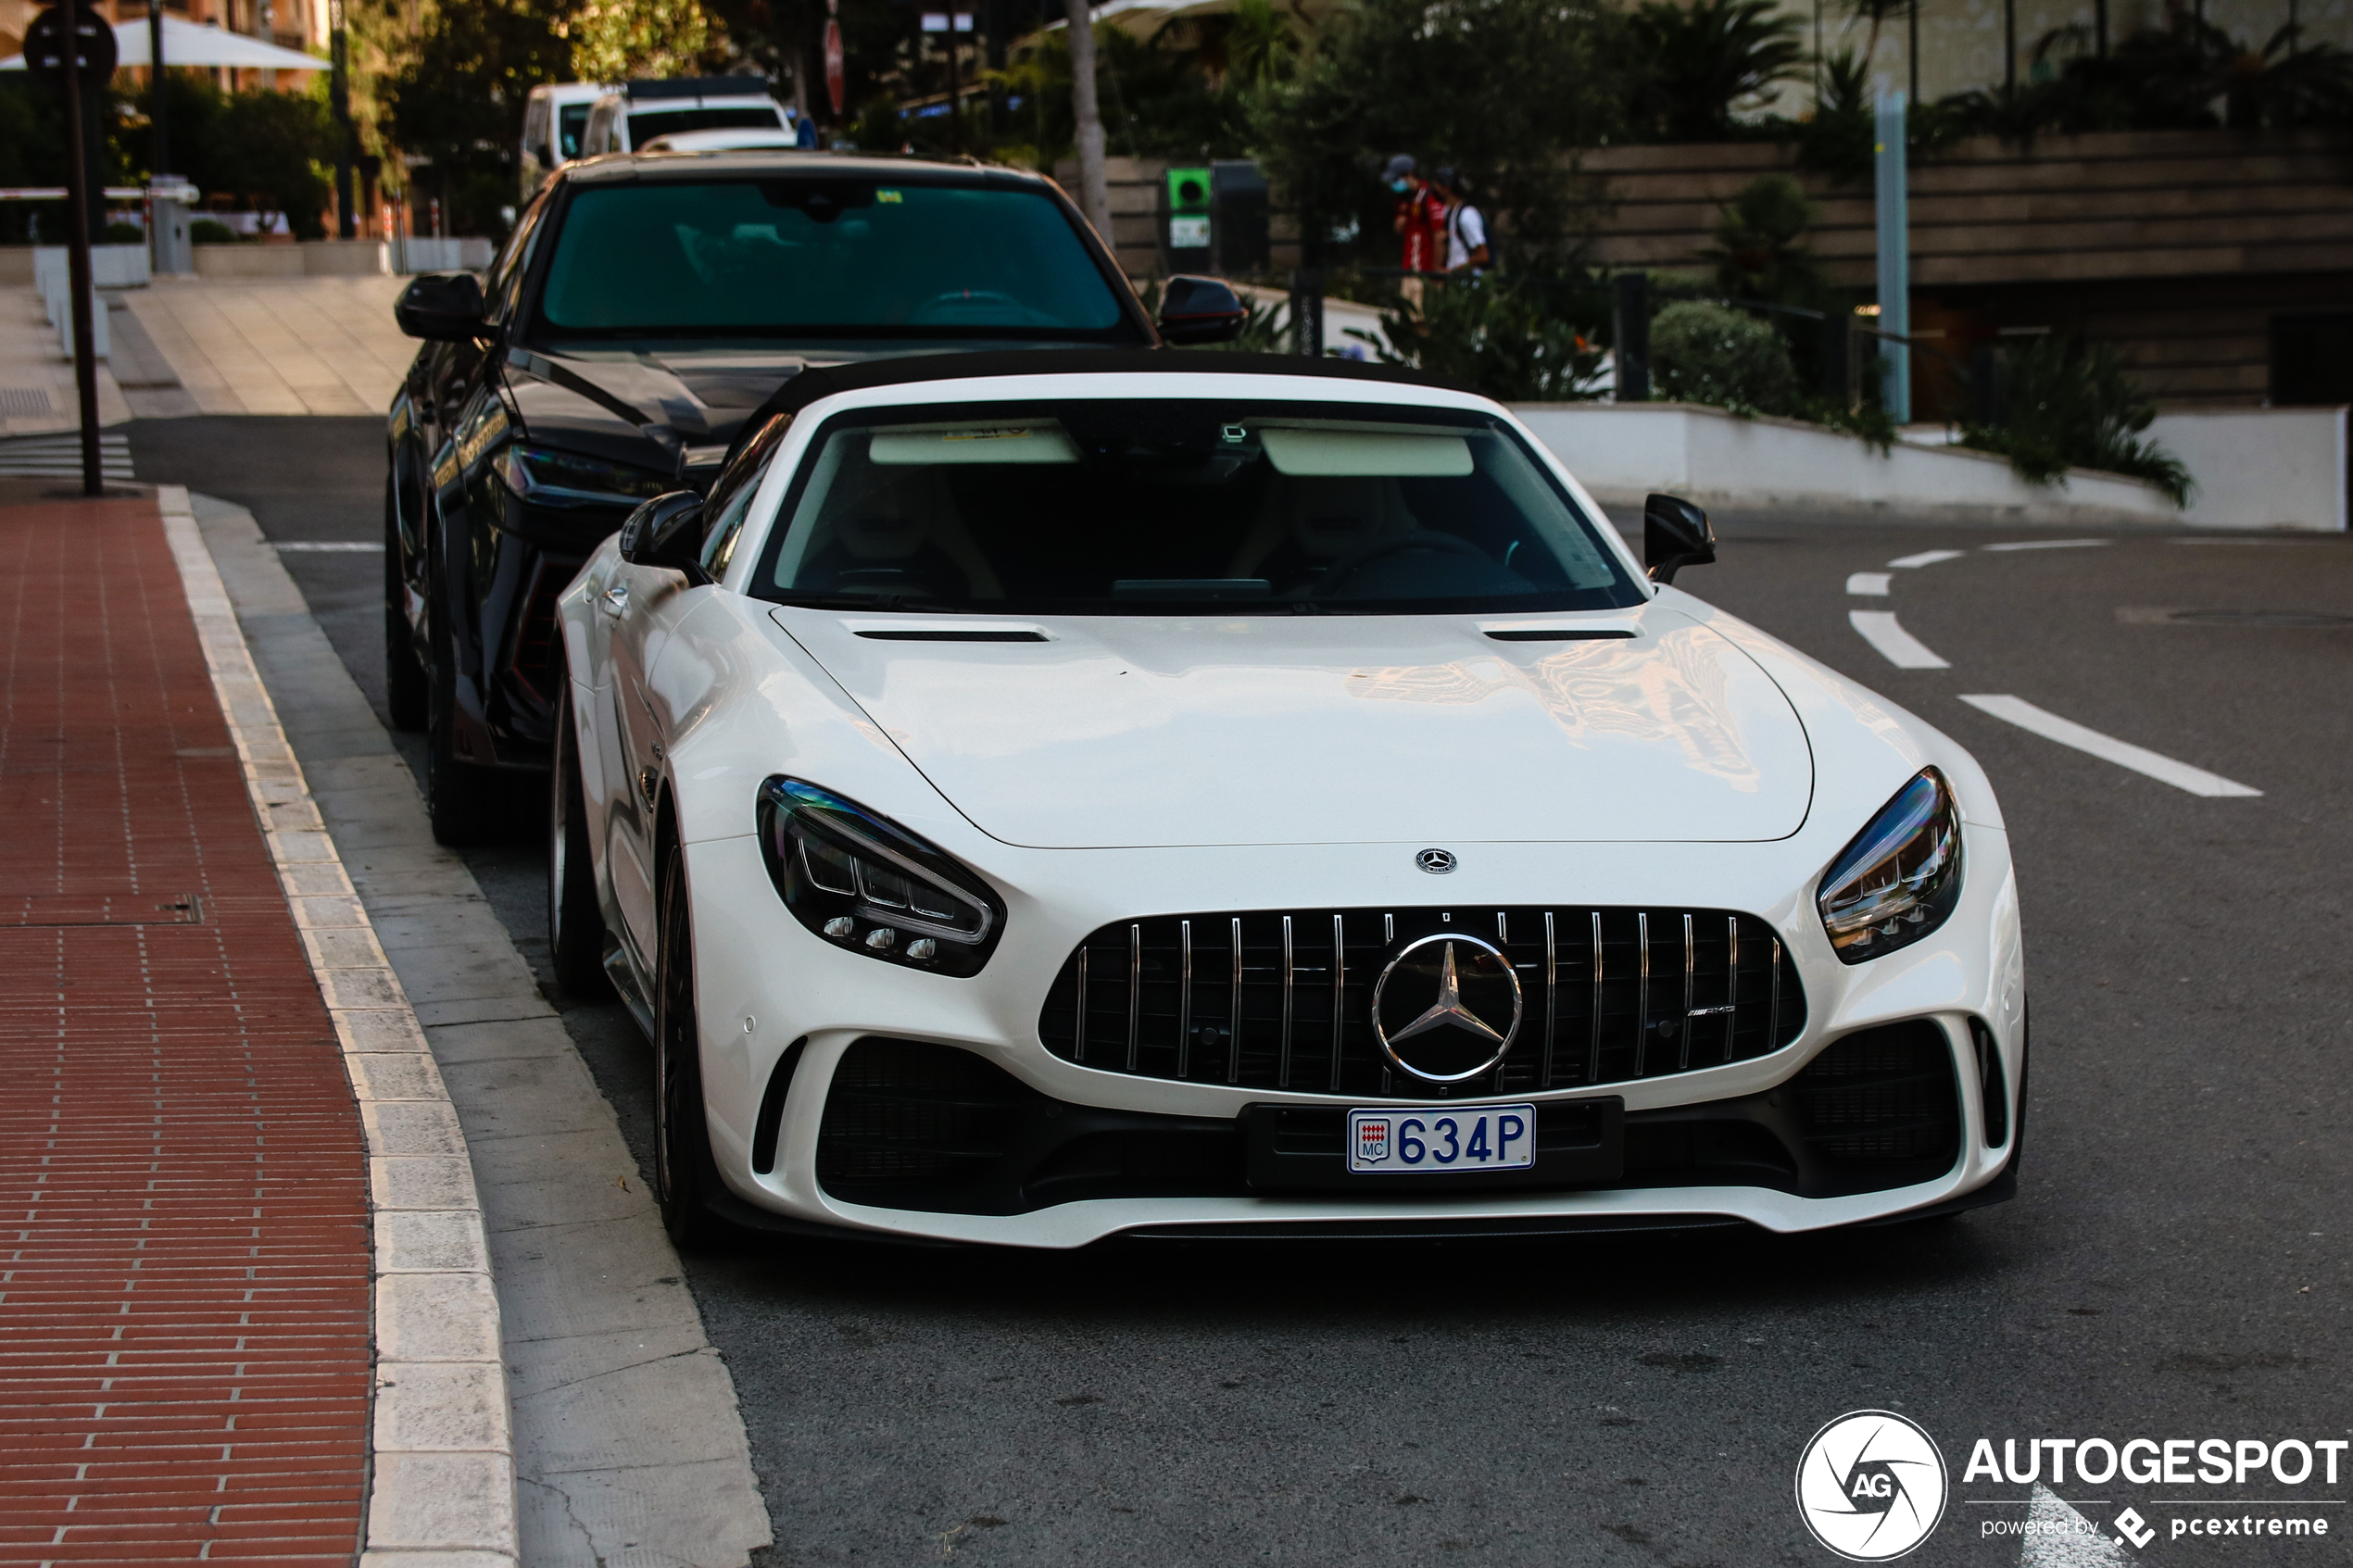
[[2256, 468], [2261, 467]]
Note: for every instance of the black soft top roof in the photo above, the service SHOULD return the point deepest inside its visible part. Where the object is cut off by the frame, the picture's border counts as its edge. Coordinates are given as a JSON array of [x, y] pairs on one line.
[[860, 375]]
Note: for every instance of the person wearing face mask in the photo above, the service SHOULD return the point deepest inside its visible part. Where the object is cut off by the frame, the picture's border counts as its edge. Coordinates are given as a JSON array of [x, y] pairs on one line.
[[1420, 224], [1467, 252]]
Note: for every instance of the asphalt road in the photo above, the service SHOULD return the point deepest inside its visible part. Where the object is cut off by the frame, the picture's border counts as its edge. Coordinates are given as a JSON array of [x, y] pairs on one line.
[[2175, 1266]]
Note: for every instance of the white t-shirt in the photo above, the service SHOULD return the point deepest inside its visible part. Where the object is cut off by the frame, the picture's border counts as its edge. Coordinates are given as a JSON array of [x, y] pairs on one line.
[[1466, 232]]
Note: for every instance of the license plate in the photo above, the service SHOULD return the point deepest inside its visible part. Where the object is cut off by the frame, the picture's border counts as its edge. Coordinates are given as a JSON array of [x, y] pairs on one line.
[[1429, 1139]]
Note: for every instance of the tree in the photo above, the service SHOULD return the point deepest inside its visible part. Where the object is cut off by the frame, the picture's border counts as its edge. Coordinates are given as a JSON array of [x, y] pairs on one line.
[[619, 40], [1522, 83], [456, 102], [1757, 251], [1696, 66], [1087, 114]]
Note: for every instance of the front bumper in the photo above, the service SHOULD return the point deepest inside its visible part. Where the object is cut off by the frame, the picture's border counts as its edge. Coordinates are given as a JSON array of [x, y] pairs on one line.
[[1083, 1154]]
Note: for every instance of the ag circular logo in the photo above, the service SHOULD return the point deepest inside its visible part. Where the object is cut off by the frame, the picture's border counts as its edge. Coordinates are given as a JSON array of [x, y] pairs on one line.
[[1446, 1008], [1871, 1486], [1438, 862]]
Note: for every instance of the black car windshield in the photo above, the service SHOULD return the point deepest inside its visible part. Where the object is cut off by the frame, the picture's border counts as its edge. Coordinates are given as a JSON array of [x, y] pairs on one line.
[[1155, 506], [829, 258], [648, 124]]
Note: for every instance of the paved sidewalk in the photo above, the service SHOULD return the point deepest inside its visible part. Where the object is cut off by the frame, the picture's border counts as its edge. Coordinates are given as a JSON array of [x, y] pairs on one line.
[[278, 346], [185, 1253]]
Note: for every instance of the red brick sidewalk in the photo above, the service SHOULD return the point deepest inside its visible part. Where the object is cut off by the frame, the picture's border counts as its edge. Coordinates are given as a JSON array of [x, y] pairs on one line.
[[184, 1243]]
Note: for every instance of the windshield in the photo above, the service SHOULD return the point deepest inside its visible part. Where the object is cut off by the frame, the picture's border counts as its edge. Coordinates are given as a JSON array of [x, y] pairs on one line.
[[571, 122], [648, 124], [828, 259], [1158, 506]]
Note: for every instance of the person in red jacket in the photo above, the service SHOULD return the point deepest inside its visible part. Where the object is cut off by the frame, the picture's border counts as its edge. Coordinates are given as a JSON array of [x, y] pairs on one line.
[[1420, 222]]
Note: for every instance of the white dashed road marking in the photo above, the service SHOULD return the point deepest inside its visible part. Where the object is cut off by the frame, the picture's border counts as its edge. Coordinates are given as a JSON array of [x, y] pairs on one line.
[[2050, 726], [1899, 646], [1873, 583], [1927, 558], [2046, 545]]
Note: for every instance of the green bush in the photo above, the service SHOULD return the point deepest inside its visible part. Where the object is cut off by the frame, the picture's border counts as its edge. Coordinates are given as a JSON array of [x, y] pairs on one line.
[[1496, 335], [1704, 353], [211, 232], [124, 233], [2069, 404]]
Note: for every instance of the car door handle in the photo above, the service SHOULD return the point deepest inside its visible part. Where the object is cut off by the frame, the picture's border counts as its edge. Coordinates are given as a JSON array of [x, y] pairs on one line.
[[616, 599]]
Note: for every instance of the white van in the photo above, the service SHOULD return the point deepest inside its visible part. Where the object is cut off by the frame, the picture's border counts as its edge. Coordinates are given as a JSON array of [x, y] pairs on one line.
[[554, 119], [624, 119]]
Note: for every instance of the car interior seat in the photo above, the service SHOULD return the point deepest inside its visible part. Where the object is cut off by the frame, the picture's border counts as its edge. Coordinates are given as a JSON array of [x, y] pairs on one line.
[[900, 533], [1303, 525]]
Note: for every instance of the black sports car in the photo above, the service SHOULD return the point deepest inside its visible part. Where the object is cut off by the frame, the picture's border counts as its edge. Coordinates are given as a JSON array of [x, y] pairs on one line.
[[642, 309]]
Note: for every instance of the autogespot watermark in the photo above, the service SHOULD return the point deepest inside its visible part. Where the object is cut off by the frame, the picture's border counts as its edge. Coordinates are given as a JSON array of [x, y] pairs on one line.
[[1872, 1485]]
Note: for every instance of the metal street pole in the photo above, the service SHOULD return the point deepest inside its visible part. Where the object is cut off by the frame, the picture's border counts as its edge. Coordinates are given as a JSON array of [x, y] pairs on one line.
[[339, 98], [1895, 261], [85, 352], [162, 159]]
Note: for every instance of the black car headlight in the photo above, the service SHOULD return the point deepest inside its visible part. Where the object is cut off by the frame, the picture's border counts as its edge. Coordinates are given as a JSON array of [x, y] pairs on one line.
[[863, 882], [1900, 878], [549, 478]]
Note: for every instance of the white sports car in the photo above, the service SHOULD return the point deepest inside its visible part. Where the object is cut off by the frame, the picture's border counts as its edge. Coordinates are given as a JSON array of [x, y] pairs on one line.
[[1044, 795]]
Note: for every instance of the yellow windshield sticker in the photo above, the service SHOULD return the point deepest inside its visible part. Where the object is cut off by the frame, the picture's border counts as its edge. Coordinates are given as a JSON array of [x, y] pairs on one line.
[[890, 197]]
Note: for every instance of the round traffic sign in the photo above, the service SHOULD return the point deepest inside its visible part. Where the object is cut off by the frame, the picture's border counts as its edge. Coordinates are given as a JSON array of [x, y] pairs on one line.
[[92, 46]]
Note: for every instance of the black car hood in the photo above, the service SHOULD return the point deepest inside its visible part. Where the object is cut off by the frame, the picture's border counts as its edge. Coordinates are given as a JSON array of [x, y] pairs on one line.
[[655, 411]]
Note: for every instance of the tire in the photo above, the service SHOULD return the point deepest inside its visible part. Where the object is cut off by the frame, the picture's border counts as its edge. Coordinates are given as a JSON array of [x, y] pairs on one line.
[[575, 921], [686, 1177], [408, 694], [459, 796]]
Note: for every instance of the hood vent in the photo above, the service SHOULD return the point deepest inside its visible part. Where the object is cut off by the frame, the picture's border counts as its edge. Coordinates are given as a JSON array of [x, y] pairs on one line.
[[952, 635]]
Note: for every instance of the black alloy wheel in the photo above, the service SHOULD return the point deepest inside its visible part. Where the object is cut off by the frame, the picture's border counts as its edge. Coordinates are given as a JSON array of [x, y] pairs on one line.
[[458, 795], [686, 1177], [408, 693], [575, 922]]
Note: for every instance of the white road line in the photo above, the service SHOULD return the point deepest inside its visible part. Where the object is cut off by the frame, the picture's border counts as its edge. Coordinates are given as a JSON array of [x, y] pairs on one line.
[[353, 546], [2047, 544], [2050, 726], [2064, 1537], [1928, 558], [1899, 646], [1871, 583]]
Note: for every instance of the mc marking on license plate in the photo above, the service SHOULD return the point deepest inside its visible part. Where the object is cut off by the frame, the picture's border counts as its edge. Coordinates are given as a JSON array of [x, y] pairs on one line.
[[1433, 1139]]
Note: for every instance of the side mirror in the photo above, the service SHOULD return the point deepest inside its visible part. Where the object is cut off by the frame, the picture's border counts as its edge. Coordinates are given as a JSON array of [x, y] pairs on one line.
[[1675, 534], [666, 532], [1194, 310], [442, 307]]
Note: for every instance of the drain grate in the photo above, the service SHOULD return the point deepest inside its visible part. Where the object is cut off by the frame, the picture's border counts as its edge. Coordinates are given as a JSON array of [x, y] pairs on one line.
[[23, 401]]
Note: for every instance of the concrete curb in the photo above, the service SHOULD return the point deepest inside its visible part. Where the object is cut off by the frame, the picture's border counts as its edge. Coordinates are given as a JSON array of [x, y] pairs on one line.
[[442, 1493]]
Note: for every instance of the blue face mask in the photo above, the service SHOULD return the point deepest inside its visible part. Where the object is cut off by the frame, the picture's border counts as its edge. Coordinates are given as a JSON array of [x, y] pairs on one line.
[[1400, 186]]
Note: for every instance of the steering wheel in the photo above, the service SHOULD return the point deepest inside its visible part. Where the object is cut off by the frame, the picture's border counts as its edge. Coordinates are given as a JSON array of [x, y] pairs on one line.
[[1364, 556]]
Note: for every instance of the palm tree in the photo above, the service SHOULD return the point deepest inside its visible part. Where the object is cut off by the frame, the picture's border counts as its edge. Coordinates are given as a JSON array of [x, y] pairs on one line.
[[1700, 63]]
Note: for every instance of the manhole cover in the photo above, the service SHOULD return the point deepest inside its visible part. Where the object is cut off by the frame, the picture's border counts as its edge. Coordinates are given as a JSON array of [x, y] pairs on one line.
[[2302, 618]]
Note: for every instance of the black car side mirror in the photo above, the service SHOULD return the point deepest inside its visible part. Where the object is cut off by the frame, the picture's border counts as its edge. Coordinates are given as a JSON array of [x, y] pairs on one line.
[[1195, 310], [1675, 534], [666, 532], [442, 307]]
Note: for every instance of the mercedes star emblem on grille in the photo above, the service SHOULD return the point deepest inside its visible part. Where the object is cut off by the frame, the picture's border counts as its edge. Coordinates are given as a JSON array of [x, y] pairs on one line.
[[1461, 1009], [1438, 862]]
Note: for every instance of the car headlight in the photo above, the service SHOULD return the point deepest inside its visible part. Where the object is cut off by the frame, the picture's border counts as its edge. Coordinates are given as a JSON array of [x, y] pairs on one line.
[[550, 478], [1900, 878], [863, 882]]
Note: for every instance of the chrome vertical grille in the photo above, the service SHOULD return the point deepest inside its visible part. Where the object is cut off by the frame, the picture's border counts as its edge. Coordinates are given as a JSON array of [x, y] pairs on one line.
[[1280, 999]]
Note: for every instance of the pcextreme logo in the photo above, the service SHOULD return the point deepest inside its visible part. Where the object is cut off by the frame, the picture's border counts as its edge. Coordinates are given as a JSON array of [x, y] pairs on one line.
[[1871, 1486]]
